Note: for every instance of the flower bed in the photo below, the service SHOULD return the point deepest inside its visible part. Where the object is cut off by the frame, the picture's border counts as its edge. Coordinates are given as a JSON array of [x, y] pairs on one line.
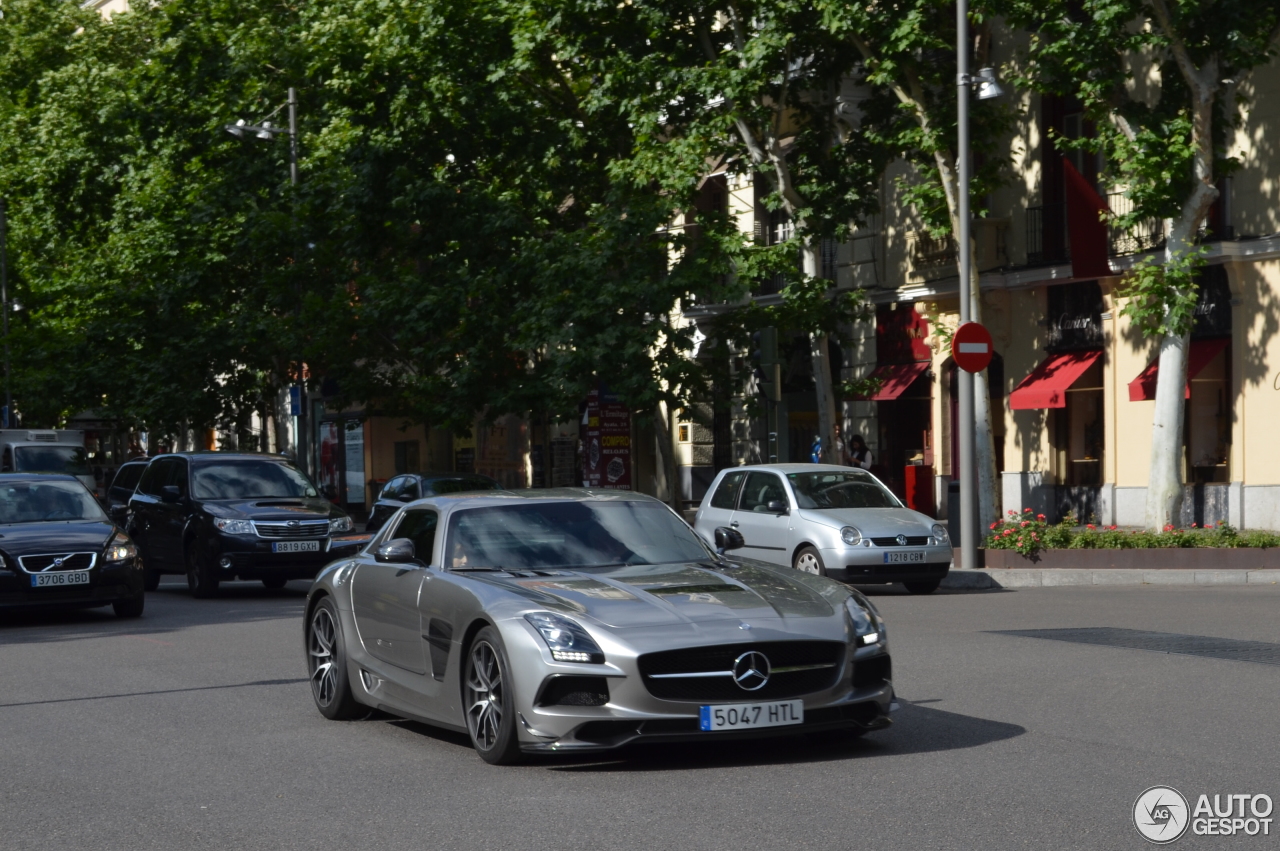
[[1028, 534]]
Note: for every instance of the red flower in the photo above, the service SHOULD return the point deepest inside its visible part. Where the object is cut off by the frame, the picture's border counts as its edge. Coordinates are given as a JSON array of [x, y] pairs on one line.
[[1168, 527], [1012, 512], [1039, 516], [993, 525], [1035, 536], [1007, 532], [1091, 528], [1112, 527], [1194, 526], [1026, 511]]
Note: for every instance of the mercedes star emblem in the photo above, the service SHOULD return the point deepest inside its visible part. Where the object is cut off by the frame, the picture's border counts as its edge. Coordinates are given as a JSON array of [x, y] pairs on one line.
[[751, 670], [902, 540]]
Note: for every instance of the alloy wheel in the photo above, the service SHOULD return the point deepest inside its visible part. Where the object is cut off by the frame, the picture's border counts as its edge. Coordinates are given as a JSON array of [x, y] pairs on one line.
[[808, 563], [320, 651], [484, 696]]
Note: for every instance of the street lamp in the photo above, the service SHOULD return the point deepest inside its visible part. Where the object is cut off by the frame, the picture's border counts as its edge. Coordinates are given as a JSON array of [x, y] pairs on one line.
[[268, 131], [4, 304], [986, 87]]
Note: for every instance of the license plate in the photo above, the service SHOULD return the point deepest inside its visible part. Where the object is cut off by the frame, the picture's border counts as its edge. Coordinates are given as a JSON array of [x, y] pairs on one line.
[[750, 716], [295, 546], [903, 558], [60, 578]]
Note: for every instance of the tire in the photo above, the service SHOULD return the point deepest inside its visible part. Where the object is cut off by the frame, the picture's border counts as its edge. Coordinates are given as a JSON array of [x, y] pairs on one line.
[[131, 608], [924, 586], [809, 560], [200, 579], [488, 701], [275, 583], [327, 664]]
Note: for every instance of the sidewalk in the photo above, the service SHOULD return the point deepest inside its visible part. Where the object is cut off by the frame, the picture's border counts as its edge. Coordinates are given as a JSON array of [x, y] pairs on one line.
[[1037, 578]]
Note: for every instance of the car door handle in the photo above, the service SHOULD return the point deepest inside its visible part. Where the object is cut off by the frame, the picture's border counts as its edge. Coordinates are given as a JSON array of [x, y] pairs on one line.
[[734, 524]]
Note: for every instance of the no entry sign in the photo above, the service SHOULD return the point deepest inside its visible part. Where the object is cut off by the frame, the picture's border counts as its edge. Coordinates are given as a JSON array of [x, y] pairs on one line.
[[971, 347]]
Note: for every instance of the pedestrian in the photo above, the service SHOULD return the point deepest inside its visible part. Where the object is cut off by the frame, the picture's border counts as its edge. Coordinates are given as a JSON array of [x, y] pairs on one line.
[[815, 451], [859, 454]]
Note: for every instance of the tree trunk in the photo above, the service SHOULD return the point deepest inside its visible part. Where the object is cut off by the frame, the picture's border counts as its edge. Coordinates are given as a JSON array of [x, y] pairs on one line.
[[664, 434], [820, 351]]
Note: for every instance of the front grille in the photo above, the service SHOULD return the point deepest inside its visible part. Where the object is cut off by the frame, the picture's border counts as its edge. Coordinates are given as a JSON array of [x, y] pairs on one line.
[[912, 541], [291, 528], [717, 661], [47, 562]]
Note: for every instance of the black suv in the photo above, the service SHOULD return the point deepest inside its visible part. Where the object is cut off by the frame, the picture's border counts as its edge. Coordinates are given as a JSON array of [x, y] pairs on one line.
[[402, 489], [218, 516]]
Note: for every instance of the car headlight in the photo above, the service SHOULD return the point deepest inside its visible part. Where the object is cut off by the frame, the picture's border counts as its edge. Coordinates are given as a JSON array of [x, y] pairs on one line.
[[851, 536], [120, 548], [233, 527], [339, 525], [868, 628], [940, 534], [568, 641]]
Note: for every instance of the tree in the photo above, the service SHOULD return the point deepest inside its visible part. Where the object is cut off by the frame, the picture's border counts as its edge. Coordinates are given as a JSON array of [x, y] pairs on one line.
[[1160, 80]]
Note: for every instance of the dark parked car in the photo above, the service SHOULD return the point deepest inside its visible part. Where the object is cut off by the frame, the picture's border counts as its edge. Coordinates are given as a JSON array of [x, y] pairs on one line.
[[126, 479], [217, 516], [59, 548], [402, 489]]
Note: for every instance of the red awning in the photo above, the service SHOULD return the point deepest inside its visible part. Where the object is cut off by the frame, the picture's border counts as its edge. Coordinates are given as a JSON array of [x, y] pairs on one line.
[[895, 378], [1143, 388], [1046, 386]]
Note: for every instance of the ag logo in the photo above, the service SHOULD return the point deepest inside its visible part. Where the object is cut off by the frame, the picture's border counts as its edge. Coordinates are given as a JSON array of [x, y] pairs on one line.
[[1161, 814]]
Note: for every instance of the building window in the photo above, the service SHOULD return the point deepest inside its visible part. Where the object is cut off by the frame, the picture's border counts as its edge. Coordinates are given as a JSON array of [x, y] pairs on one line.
[[827, 250], [407, 456], [1208, 432], [1076, 432]]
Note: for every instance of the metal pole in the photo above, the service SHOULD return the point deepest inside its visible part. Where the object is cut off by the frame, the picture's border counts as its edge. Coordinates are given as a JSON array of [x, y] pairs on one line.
[[304, 453], [968, 479], [4, 303]]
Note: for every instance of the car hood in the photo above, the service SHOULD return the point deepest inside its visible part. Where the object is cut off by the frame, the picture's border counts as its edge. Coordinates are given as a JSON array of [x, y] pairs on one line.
[[656, 595], [22, 539], [872, 522], [273, 508]]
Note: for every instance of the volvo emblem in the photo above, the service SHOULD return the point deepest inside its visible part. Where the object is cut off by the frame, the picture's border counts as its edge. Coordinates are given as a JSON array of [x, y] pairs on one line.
[[751, 670], [902, 540], [293, 524], [57, 562]]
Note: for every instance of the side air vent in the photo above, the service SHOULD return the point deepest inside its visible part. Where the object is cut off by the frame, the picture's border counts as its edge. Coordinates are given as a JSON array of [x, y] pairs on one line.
[[574, 691]]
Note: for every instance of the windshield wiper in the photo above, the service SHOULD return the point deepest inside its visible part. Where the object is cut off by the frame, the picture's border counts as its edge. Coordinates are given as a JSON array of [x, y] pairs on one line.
[[468, 569]]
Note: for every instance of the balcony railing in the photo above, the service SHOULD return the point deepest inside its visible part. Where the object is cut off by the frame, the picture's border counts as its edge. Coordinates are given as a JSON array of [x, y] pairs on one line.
[[1146, 235], [1049, 242]]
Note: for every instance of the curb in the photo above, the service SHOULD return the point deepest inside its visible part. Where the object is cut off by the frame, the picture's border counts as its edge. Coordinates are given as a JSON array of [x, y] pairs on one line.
[[1029, 578]]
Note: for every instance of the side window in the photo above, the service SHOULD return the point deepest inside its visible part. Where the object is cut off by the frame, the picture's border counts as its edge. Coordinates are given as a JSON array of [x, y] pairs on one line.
[[391, 489], [180, 477], [410, 488], [760, 490], [153, 478], [419, 526], [727, 493]]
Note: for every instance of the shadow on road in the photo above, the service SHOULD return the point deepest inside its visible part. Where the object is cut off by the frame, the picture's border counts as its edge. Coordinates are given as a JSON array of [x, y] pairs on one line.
[[916, 729], [169, 609]]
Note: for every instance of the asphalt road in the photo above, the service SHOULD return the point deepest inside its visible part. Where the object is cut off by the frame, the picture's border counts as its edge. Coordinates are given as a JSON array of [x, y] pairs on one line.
[[193, 728]]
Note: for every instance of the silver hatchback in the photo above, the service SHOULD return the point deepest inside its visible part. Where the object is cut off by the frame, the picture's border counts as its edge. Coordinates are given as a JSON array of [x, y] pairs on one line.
[[834, 521]]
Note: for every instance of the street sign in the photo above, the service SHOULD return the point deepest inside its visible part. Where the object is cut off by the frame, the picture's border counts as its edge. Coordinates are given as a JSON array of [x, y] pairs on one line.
[[972, 347], [295, 401]]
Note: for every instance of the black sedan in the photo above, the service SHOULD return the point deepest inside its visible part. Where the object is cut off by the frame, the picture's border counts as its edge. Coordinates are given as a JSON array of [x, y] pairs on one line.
[[402, 489], [59, 548], [217, 516]]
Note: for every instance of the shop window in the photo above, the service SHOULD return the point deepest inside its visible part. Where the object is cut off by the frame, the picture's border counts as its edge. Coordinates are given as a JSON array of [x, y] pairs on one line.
[[1076, 432], [1208, 423]]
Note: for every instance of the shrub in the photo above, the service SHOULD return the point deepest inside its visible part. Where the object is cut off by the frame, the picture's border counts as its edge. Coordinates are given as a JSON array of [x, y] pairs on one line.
[[1028, 533]]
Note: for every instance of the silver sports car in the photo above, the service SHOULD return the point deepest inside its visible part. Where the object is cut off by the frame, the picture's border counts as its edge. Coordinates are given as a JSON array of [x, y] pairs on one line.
[[577, 620], [833, 521]]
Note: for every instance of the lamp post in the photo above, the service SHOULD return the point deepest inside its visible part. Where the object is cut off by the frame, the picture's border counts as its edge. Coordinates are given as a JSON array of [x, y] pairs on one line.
[[266, 130], [4, 303], [987, 87]]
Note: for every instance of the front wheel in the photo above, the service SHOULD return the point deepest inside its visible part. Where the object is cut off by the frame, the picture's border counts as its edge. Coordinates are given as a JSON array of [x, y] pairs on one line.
[[131, 608], [200, 578], [490, 707], [926, 586], [327, 664], [809, 560]]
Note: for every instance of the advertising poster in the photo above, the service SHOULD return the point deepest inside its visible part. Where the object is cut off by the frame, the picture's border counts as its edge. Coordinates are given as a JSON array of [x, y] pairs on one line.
[[606, 442]]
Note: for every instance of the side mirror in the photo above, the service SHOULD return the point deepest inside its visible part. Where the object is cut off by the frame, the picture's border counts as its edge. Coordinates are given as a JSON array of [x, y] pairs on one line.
[[405, 497], [170, 493], [728, 539], [118, 513], [777, 506], [395, 551]]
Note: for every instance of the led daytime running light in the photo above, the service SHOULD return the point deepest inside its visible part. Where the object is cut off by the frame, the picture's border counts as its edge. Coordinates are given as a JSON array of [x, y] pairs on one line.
[[566, 639]]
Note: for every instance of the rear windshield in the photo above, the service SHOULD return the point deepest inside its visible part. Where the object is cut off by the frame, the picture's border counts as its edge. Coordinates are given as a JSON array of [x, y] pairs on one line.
[[569, 534], [39, 502], [462, 483], [249, 480], [51, 459], [853, 489]]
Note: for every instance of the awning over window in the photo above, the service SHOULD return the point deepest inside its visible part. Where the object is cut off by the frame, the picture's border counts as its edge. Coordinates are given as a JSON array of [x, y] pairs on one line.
[[1143, 388], [896, 378], [1046, 386]]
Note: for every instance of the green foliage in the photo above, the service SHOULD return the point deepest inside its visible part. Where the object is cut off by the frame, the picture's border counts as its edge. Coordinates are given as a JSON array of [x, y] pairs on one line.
[[1028, 535], [1162, 295]]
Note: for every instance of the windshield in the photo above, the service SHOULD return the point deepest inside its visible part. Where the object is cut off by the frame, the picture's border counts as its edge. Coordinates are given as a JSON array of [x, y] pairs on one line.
[[50, 459], [37, 502], [471, 483], [854, 489], [569, 534], [249, 480]]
